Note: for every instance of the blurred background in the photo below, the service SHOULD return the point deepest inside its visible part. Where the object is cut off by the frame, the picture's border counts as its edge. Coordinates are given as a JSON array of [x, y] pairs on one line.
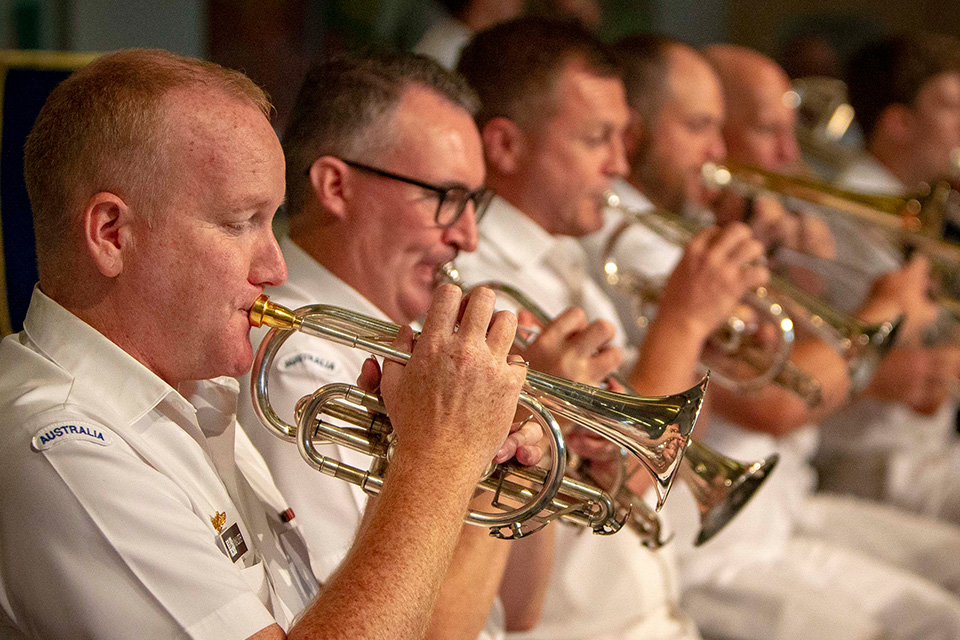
[[274, 41]]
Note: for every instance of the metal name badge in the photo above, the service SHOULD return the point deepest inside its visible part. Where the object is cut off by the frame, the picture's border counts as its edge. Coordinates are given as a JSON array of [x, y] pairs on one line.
[[233, 542]]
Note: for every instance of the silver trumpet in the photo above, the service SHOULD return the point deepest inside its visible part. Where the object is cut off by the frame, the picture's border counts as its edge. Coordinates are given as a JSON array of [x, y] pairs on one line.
[[862, 345], [757, 362], [721, 486], [656, 430]]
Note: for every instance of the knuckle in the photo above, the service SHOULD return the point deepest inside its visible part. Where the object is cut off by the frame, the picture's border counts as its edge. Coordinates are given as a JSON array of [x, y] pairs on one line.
[[484, 294]]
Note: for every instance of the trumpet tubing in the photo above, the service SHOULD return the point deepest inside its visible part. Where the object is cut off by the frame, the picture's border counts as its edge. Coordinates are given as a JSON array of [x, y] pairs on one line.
[[370, 432], [862, 345], [656, 430], [916, 219], [721, 486]]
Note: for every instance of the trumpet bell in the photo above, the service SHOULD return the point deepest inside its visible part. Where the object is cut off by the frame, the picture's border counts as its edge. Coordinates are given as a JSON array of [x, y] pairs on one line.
[[654, 429], [721, 486], [736, 483]]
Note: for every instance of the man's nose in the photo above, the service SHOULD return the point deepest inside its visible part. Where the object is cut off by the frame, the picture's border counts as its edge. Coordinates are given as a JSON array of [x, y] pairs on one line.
[[716, 149], [463, 233], [617, 163], [269, 268]]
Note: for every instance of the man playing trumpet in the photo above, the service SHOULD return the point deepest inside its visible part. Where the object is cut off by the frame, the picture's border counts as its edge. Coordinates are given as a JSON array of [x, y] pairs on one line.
[[132, 507], [911, 124], [552, 119], [386, 183]]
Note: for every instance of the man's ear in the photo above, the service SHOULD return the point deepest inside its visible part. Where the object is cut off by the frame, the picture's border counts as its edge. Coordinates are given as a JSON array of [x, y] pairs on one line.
[[504, 145], [106, 221], [633, 133], [330, 184]]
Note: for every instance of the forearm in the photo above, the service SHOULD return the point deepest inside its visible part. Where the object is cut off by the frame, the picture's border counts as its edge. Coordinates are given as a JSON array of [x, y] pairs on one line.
[[669, 357], [527, 577], [389, 582], [471, 583], [779, 411]]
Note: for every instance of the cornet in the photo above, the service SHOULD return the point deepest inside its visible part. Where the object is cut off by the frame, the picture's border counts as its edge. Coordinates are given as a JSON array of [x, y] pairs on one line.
[[861, 345], [721, 486], [768, 363], [656, 430]]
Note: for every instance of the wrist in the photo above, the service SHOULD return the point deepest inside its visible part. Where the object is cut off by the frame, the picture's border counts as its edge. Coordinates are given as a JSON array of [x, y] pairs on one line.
[[444, 476], [685, 325]]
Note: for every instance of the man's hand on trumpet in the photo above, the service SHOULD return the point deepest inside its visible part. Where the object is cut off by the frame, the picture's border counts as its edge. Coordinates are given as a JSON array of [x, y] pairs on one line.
[[572, 348], [774, 225], [718, 267], [904, 291], [452, 404]]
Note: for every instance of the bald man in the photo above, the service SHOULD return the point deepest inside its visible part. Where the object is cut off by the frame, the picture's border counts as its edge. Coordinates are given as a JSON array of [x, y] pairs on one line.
[[759, 131], [759, 128]]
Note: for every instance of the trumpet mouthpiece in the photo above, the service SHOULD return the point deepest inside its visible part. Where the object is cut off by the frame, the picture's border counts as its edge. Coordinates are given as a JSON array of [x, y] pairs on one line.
[[264, 312]]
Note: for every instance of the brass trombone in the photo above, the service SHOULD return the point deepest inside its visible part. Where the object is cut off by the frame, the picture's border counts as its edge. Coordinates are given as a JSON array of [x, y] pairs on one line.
[[656, 430], [721, 486], [861, 345], [916, 219]]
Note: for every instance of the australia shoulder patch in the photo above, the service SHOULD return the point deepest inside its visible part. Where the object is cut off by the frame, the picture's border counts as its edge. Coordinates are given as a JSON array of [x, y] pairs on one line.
[[58, 432]]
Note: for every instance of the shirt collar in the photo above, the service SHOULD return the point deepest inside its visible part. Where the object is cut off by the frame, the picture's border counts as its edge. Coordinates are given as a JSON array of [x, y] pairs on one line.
[[317, 283], [630, 196], [520, 241], [95, 363], [869, 174]]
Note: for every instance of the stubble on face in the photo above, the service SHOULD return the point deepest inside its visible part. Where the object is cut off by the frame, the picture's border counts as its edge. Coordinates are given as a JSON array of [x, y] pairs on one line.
[[676, 141], [574, 156]]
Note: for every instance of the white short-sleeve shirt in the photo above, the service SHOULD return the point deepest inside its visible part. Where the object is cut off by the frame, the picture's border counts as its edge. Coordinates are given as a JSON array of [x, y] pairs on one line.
[[124, 511]]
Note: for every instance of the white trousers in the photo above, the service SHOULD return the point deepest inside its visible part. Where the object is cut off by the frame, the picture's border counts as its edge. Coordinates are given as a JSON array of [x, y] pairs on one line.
[[917, 544], [821, 591]]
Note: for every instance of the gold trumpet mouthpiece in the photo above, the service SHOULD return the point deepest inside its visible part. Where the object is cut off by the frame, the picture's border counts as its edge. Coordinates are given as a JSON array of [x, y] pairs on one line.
[[275, 316]]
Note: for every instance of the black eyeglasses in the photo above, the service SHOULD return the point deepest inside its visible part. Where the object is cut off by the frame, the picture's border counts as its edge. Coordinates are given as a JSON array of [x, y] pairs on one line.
[[452, 200]]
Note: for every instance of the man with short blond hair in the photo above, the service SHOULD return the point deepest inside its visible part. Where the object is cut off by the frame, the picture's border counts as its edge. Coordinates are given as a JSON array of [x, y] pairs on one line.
[[132, 505]]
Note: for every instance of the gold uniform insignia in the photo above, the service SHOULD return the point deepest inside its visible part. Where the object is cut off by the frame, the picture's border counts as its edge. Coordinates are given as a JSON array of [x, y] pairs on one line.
[[218, 520]]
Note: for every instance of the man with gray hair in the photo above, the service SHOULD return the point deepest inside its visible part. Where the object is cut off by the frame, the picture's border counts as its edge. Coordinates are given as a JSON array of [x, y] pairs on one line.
[[385, 185], [132, 506]]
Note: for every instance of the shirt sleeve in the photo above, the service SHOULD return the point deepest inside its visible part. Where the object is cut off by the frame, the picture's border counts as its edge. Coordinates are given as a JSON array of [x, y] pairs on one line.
[[97, 543]]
